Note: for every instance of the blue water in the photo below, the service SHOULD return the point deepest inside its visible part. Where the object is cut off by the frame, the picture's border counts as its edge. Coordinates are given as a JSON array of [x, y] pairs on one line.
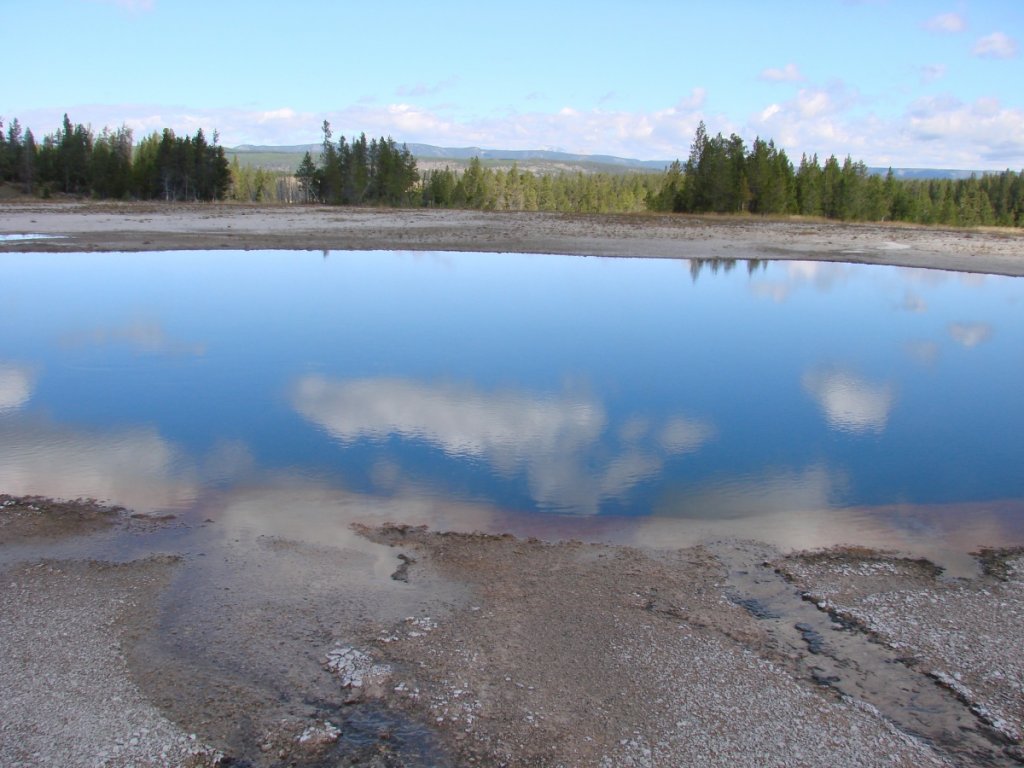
[[527, 386]]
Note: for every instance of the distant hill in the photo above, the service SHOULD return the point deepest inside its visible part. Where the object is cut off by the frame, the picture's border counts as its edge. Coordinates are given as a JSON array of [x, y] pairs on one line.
[[428, 157], [926, 173]]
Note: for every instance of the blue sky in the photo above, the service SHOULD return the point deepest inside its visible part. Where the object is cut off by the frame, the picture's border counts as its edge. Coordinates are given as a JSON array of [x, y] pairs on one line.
[[892, 82]]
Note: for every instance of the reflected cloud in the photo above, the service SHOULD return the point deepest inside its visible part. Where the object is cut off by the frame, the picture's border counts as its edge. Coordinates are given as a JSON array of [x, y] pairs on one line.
[[795, 510], [135, 468], [141, 336], [228, 460], [755, 495], [777, 292], [16, 383], [462, 422], [681, 435], [970, 334], [821, 275], [924, 352], [850, 403], [555, 441], [913, 303], [295, 509], [634, 429]]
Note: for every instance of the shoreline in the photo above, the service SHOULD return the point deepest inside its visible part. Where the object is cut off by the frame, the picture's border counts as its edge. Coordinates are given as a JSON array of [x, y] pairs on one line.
[[130, 227]]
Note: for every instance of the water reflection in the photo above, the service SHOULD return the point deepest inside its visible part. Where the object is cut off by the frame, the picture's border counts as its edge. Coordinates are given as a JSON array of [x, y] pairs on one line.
[[716, 264], [850, 403], [133, 467], [15, 386], [923, 352], [507, 428], [144, 336], [970, 334], [557, 441], [790, 276], [778, 492], [913, 303]]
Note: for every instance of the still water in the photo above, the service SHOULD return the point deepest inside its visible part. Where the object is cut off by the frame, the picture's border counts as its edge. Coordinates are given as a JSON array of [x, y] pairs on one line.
[[654, 401]]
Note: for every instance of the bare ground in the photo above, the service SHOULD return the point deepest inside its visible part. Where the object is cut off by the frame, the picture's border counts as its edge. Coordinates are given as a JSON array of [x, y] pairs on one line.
[[497, 651], [91, 226]]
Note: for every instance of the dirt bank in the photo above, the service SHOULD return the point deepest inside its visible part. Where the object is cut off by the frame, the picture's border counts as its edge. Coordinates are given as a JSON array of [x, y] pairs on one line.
[[160, 227]]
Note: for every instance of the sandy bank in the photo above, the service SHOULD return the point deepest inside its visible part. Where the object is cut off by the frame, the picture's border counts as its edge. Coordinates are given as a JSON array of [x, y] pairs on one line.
[[160, 227]]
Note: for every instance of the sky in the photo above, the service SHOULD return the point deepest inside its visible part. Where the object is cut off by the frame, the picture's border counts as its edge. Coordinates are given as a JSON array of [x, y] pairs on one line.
[[891, 82]]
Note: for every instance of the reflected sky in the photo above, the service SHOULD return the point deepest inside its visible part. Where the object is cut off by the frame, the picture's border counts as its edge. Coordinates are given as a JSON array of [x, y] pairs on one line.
[[701, 395]]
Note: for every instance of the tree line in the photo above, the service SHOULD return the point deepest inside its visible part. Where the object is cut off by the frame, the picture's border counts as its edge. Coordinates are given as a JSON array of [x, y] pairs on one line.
[[512, 189], [720, 175], [359, 172], [74, 160]]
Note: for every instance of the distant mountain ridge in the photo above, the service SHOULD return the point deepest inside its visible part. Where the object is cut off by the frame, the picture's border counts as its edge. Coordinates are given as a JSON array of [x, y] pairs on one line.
[[275, 156], [431, 152]]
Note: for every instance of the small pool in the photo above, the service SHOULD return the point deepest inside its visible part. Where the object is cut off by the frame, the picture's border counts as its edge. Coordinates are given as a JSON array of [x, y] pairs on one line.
[[654, 401]]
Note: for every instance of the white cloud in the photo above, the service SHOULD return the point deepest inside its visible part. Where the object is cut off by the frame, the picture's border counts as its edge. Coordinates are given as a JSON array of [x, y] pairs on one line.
[[15, 386], [850, 403], [937, 132], [984, 132], [812, 103], [695, 100], [285, 113], [815, 120], [995, 46], [787, 74], [949, 23], [932, 132]]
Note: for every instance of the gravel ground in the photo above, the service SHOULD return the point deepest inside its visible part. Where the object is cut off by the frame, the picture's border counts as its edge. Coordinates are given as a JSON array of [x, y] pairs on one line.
[[90, 226], [578, 654], [68, 699], [966, 633], [473, 649], [25, 517]]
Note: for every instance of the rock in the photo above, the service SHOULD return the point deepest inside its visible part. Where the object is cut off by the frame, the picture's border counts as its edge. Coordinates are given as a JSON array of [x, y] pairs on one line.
[[356, 668], [317, 737]]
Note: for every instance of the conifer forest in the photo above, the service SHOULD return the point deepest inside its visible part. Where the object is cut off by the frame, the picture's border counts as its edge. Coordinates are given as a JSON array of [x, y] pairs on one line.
[[720, 175]]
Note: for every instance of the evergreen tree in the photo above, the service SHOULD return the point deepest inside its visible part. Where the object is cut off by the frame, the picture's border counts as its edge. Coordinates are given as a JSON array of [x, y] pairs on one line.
[[672, 195], [307, 177]]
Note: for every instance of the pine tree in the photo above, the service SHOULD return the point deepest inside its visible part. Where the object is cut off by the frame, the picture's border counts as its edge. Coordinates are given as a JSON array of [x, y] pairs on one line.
[[307, 178]]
